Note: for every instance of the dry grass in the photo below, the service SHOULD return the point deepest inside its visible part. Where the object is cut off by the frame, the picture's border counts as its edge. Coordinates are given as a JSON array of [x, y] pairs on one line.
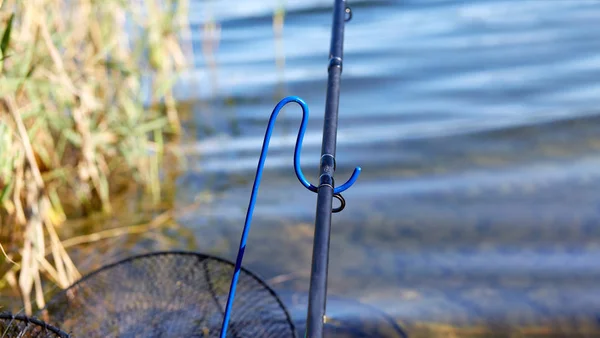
[[73, 126]]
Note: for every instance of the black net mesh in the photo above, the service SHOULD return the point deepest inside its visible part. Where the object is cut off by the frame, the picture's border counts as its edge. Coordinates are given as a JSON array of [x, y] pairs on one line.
[[346, 318], [358, 320], [174, 294], [25, 327]]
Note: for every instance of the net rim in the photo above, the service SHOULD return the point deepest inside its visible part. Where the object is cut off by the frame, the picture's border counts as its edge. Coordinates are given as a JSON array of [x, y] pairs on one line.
[[382, 314], [201, 257], [34, 320]]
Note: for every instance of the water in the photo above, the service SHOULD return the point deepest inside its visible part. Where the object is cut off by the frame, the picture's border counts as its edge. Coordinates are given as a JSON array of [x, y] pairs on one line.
[[477, 128]]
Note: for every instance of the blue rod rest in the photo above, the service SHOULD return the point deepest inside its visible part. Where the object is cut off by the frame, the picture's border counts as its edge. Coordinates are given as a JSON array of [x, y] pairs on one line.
[[304, 181], [257, 179]]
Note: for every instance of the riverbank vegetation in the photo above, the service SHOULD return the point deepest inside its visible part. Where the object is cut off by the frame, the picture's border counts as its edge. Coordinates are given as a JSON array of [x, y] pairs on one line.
[[76, 124]]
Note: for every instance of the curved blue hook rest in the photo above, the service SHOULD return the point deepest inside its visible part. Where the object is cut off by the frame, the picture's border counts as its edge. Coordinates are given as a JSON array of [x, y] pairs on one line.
[[311, 187], [298, 150], [257, 179]]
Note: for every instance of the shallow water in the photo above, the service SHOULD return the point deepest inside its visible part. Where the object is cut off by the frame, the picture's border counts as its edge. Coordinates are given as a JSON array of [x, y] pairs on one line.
[[477, 128]]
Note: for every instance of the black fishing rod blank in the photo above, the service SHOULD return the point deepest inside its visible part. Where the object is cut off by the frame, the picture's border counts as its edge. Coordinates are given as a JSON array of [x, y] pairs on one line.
[[326, 189]]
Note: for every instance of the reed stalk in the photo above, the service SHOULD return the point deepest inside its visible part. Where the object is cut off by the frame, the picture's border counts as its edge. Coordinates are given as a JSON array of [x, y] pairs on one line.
[[75, 126]]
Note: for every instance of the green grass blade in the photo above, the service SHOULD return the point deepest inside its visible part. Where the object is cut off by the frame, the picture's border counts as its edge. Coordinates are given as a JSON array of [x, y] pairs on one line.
[[6, 35]]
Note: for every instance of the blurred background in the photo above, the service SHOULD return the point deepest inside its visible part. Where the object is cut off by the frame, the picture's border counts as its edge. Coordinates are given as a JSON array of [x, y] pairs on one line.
[[476, 125]]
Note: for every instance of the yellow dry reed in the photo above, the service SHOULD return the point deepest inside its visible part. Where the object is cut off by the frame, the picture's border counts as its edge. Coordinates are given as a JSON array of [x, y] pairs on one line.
[[74, 128]]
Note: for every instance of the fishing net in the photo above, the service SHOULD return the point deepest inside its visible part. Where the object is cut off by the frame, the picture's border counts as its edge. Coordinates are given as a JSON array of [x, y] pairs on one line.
[[25, 327], [168, 294], [353, 320], [347, 318]]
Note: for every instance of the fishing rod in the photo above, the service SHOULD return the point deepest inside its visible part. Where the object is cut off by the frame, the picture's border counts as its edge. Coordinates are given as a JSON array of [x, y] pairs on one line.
[[326, 190], [317, 295]]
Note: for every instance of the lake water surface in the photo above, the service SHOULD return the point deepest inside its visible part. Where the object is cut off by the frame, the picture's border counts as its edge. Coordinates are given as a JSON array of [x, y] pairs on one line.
[[477, 127]]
